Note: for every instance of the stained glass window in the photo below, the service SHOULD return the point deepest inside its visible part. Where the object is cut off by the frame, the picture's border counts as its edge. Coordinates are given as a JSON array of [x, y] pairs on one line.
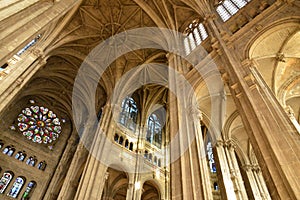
[[39, 124], [16, 188], [210, 155], [28, 191], [4, 181]]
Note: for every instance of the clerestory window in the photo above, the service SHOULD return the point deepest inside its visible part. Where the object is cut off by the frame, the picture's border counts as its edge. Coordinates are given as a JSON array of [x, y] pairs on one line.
[[227, 8], [195, 34], [128, 115]]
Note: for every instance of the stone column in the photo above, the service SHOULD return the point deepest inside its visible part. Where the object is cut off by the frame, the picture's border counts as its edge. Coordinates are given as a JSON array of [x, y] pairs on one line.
[[19, 77], [137, 192], [204, 170], [93, 178], [260, 182], [271, 133], [291, 115], [130, 189], [184, 167], [226, 173], [61, 171], [71, 182], [178, 178], [235, 170], [253, 183], [16, 37]]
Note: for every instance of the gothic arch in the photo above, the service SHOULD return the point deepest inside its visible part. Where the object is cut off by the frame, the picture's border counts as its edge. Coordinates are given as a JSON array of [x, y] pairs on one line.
[[151, 190]]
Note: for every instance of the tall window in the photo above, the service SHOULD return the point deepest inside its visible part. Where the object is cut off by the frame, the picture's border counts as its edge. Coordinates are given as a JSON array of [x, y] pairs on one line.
[[28, 191], [195, 34], [228, 8], [27, 46], [16, 188], [128, 115], [210, 155], [154, 135], [5, 180]]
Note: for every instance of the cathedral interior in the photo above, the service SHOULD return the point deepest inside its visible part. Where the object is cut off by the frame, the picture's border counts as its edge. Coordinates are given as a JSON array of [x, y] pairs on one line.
[[150, 99]]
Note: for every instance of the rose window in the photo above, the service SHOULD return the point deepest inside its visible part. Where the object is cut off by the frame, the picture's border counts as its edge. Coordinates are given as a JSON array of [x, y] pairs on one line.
[[39, 124]]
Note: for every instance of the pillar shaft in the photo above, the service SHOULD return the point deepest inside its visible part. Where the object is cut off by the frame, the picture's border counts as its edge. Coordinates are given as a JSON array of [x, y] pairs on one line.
[[70, 185], [92, 183], [186, 171], [228, 185], [60, 172], [271, 134], [253, 184], [236, 170]]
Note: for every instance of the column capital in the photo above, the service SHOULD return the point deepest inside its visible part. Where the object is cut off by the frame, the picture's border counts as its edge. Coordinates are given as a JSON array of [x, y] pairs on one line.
[[195, 112], [230, 144], [37, 52], [209, 17], [106, 175], [249, 62], [256, 168], [289, 111], [220, 143], [170, 55], [247, 167]]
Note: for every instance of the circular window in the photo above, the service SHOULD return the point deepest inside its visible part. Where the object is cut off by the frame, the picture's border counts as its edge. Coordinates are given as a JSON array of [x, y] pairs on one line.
[[39, 124]]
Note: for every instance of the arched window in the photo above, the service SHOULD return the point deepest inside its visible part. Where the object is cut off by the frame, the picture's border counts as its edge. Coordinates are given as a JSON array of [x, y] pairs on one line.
[[159, 162], [28, 191], [210, 155], [18, 155], [150, 157], [31, 161], [128, 115], [155, 160], [16, 188], [116, 138], [154, 131], [5, 180], [216, 187], [22, 157], [195, 34], [126, 143], [227, 8], [131, 146], [11, 151], [6, 149], [42, 165], [146, 154], [121, 140]]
